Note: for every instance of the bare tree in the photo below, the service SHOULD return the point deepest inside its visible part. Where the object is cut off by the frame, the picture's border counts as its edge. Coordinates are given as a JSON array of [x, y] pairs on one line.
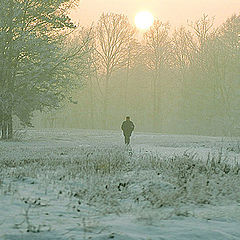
[[113, 36], [203, 29], [133, 51], [157, 54], [182, 52], [223, 69], [88, 35], [183, 48]]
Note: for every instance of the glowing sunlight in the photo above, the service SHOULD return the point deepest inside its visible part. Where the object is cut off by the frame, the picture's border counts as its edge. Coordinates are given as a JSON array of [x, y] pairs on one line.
[[144, 20]]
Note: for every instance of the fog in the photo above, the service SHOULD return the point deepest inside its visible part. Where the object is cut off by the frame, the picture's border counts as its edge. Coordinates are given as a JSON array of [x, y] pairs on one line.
[[173, 80], [66, 88], [177, 12], [56, 73]]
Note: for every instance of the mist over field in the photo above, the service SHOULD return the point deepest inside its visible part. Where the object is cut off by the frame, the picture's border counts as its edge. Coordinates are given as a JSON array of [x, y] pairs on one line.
[[119, 130], [169, 80]]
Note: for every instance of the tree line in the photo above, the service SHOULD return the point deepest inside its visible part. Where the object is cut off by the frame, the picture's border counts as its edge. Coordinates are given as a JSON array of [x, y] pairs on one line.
[[183, 80]]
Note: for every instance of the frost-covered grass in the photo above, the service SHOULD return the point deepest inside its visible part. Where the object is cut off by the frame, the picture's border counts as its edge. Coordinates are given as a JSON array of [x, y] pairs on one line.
[[234, 147], [78, 191], [107, 176]]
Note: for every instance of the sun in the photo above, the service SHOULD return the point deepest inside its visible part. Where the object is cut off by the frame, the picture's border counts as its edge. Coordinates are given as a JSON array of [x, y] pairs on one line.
[[144, 20]]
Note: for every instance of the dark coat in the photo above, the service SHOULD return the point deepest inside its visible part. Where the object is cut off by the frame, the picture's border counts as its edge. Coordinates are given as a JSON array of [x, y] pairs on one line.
[[127, 127]]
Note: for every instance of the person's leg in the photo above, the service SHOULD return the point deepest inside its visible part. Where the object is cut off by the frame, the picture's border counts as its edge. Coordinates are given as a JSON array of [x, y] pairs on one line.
[[125, 138], [128, 140]]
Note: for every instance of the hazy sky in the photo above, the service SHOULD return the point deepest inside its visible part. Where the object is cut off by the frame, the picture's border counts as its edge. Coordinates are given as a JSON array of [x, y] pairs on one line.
[[177, 12]]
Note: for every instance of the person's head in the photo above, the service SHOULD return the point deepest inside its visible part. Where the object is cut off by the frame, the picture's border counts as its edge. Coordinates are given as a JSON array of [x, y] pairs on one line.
[[128, 118]]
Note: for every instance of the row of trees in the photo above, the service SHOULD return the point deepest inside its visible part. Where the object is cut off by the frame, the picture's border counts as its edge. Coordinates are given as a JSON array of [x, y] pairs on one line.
[[37, 70], [176, 81], [185, 80]]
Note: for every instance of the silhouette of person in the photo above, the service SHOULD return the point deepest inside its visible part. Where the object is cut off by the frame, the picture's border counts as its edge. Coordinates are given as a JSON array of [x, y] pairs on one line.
[[127, 128]]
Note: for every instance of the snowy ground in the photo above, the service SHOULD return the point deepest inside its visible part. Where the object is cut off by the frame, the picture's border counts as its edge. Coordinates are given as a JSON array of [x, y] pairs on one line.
[[79, 184]]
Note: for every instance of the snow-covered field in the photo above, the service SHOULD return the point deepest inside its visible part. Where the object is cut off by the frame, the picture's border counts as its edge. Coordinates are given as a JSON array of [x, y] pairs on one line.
[[80, 184]]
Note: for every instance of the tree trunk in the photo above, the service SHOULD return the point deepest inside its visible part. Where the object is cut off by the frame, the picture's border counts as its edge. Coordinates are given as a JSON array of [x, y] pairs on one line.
[[154, 103], [10, 126], [91, 104], [126, 90], [4, 128], [105, 104], [1, 120]]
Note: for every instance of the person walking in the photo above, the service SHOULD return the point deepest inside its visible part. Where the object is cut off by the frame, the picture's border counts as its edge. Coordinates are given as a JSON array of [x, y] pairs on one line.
[[127, 128]]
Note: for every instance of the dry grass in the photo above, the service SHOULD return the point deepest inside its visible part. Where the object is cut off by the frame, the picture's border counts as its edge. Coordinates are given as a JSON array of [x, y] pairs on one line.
[[113, 182]]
